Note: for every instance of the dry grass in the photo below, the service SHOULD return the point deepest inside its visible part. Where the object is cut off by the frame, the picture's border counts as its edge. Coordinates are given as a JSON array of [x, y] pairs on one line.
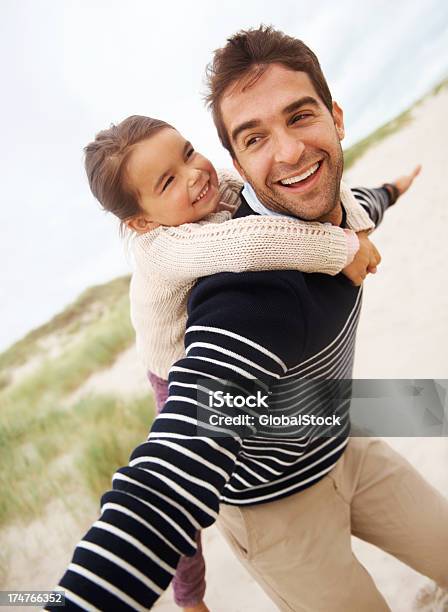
[[57, 452], [48, 450], [86, 310]]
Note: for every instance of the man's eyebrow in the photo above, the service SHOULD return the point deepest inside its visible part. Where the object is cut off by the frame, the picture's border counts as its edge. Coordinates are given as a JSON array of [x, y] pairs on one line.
[[248, 125], [306, 100], [186, 147]]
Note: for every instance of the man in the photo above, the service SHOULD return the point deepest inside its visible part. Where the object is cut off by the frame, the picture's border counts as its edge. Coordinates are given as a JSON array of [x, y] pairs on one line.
[[289, 502]]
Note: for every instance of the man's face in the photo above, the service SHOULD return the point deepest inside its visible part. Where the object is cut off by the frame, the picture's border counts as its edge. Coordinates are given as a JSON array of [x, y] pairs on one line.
[[286, 143]]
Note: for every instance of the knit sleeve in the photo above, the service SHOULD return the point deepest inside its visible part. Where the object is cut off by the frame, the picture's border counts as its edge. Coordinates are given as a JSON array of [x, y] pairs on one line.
[[247, 244]]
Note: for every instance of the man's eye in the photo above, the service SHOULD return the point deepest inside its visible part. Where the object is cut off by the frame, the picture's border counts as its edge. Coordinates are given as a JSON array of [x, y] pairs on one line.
[[253, 140], [299, 116], [167, 183]]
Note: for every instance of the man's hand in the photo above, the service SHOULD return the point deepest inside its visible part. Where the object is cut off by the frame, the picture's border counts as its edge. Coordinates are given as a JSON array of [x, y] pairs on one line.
[[402, 183], [366, 260]]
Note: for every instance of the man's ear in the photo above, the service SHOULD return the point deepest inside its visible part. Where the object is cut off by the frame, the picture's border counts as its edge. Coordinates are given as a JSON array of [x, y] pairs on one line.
[[338, 118], [239, 169], [141, 224]]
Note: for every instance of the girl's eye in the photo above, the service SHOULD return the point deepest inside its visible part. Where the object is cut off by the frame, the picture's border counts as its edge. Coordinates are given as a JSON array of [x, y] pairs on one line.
[[167, 183], [190, 152]]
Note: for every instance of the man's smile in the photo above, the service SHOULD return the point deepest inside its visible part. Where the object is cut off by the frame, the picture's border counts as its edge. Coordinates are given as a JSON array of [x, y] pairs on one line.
[[300, 176], [302, 181]]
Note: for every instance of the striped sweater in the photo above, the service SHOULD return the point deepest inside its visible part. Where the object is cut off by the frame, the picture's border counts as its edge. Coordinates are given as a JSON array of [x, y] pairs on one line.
[[265, 331]]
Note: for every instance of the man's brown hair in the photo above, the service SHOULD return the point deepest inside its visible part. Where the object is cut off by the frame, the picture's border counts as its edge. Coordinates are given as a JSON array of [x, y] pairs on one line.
[[247, 54], [105, 163]]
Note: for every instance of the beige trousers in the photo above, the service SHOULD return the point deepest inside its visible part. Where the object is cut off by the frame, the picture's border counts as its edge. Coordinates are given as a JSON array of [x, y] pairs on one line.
[[299, 548]]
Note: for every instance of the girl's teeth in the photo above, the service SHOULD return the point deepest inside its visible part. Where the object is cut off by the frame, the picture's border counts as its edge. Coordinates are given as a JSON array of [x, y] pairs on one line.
[[300, 177], [203, 192]]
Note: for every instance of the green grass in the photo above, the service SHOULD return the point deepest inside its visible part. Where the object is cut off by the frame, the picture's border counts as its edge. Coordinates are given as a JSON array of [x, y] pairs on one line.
[[49, 450], [61, 451], [107, 447]]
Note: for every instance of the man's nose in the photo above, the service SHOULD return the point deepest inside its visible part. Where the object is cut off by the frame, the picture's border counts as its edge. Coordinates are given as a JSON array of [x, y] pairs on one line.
[[288, 149]]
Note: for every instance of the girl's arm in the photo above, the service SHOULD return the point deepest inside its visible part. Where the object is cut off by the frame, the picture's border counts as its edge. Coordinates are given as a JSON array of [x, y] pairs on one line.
[[191, 251], [251, 243]]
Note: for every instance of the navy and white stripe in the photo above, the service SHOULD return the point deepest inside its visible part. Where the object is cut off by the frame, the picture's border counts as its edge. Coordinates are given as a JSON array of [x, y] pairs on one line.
[[255, 330], [375, 201]]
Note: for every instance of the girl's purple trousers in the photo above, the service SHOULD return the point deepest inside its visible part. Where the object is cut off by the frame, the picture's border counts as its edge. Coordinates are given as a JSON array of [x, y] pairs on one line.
[[189, 581]]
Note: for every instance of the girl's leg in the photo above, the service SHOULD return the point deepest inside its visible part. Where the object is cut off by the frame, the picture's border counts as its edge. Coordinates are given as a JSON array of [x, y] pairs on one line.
[[160, 387], [189, 581]]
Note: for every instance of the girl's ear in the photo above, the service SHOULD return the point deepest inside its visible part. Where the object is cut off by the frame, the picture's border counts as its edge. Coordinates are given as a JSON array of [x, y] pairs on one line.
[[141, 224]]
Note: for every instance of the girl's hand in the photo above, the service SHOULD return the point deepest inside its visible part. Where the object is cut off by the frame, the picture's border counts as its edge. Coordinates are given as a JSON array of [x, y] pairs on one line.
[[366, 261], [225, 206]]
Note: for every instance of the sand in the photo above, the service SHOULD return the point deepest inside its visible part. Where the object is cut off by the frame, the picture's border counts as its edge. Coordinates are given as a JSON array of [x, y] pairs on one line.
[[405, 309]]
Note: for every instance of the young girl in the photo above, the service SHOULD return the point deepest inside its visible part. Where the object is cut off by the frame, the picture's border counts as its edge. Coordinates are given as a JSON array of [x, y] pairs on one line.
[[170, 197]]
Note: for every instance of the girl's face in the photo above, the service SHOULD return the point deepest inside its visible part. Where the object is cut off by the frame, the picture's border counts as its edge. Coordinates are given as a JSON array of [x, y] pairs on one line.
[[173, 183]]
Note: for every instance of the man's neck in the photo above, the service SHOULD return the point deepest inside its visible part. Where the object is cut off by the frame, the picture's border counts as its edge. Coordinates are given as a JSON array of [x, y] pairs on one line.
[[334, 217]]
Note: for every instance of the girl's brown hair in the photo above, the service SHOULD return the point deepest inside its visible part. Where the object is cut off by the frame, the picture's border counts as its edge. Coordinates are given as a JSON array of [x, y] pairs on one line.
[[105, 163]]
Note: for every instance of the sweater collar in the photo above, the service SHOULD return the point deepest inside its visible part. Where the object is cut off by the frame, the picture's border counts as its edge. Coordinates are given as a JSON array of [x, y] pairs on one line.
[[252, 199]]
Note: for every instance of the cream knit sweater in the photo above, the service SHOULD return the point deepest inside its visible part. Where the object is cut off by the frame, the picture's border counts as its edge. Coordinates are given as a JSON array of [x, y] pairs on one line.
[[169, 260]]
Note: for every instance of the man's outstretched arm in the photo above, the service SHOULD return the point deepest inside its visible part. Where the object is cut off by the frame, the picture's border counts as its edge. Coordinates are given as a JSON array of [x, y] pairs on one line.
[[172, 484], [377, 201]]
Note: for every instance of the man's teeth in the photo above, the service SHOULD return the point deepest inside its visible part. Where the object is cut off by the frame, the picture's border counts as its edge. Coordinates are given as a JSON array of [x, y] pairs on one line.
[[300, 177], [203, 192]]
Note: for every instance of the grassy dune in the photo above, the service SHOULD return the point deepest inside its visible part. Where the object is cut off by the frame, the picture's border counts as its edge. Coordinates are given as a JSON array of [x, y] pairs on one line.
[[47, 449], [86, 312]]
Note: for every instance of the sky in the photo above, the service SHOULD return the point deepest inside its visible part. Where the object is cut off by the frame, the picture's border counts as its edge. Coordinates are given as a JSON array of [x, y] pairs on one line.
[[71, 68]]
